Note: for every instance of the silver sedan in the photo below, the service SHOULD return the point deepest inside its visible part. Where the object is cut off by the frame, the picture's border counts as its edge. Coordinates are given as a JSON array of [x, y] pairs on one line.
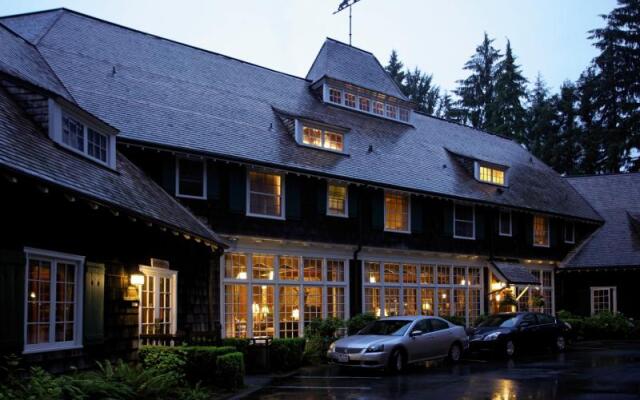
[[395, 342]]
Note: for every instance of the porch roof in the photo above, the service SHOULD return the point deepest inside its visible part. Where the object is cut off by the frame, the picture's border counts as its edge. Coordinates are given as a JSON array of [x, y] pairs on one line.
[[514, 273]]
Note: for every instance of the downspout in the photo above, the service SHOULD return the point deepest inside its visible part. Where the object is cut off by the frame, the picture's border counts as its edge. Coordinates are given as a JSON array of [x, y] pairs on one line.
[[355, 287]]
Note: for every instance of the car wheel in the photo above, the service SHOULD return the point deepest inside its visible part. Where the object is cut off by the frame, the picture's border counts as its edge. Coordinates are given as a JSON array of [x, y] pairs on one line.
[[560, 344], [455, 353], [397, 361], [509, 348]]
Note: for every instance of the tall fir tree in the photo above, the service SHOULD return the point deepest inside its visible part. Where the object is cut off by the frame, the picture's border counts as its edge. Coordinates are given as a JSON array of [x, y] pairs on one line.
[[506, 114], [565, 154], [617, 92], [395, 68], [540, 119], [446, 109], [420, 89], [476, 91], [590, 140]]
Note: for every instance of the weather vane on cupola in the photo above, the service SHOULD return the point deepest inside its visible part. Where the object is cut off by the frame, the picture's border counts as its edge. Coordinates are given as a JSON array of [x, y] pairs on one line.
[[347, 4]]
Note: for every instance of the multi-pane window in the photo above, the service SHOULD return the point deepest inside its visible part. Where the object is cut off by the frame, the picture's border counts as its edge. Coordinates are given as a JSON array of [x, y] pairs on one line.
[[335, 302], [322, 138], [312, 303], [392, 273], [333, 141], [427, 301], [312, 136], [72, 133], [491, 175], [540, 231], [364, 104], [336, 199], [97, 145], [262, 311], [569, 232], [335, 270], [409, 273], [463, 222], [289, 268], [312, 269], [603, 299], [410, 297], [392, 111], [426, 274], [444, 277], [372, 272], [263, 267], [459, 298], [391, 301], [396, 212], [289, 311], [372, 301], [335, 96], [52, 319], [459, 276], [84, 139], [235, 266], [378, 107], [504, 223], [147, 317], [474, 276], [235, 310], [265, 194], [158, 303], [404, 114], [474, 304], [444, 302], [350, 100], [190, 178]]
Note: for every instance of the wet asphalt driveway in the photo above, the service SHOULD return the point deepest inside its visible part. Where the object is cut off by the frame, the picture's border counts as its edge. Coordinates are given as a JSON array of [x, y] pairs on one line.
[[591, 370]]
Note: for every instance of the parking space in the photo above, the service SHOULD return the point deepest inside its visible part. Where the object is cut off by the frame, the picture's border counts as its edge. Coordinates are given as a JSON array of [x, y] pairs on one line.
[[591, 370]]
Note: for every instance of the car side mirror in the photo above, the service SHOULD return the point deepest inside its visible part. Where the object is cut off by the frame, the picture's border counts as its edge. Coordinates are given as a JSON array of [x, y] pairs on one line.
[[415, 333]]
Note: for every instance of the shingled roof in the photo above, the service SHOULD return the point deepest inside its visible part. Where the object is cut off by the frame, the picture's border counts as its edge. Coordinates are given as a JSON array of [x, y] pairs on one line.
[[617, 243], [165, 94]]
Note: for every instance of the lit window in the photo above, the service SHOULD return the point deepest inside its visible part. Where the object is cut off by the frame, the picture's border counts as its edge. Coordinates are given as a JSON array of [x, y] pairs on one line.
[[444, 302], [289, 311], [463, 222], [540, 231], [426, 274], [312, 136], [392, 111], [396, 212], [491, 175], [378, 107], [84, 139], [459, 276], [158, 302], [335, 302], [190, 178], [365, 104], [372, 301], [333, 141], [410, 296], [426, 306], [265, 195], [263, 311], [335, 96], [312, 303], [409, 273], [444, 277], [504, 223], [460, 302], [322, 138], [404, 114], [569, 232], [391, 273], [335, 271], [263, 267], [289, 268], [372, 272], [350, 100], [336, 200], [603, 299], [235, 266], [235, 310], [312, 269], [391, 302], [53, 320]]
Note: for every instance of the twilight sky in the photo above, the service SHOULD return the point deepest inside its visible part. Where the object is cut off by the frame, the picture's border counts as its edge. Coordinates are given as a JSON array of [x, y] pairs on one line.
[[548, 36]]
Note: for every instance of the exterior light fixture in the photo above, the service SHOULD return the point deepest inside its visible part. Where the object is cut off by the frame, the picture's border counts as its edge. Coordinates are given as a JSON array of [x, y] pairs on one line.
[[136, 279]]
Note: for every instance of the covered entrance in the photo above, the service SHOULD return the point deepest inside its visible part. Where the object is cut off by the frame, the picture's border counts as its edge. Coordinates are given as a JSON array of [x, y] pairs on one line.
[[521, 287]]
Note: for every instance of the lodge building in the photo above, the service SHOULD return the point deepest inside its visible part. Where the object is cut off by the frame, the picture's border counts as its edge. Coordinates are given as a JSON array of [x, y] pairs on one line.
[[329, 195]]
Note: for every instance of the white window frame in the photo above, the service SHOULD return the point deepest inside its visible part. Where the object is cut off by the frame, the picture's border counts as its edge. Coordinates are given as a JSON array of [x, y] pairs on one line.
[[283, 208], [399, 109], [476, 173], [56, 114], [204, 179], [54, 257], [157, 273], [455, 219], [299, 132], [573, 232], [408, 196], [346, 200], [500, 232], [613, 290], [533, 233]]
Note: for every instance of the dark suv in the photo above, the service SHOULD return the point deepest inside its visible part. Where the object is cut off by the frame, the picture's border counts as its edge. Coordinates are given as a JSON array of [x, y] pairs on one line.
[[508, 333]]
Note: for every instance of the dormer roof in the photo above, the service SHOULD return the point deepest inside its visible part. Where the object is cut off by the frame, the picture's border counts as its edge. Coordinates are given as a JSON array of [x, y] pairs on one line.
[[349, 64]]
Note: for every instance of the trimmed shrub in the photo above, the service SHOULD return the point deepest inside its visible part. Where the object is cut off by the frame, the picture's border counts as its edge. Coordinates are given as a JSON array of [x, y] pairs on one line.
[[320, 334], [287, 354], [240, 344], [230, 370], [605, 325], [357, 322], [164, 358], [200, 363]]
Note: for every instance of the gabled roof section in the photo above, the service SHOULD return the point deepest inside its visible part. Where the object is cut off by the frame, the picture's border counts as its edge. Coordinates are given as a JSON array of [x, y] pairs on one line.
[[515, 274], [616, 198], [349, 64], [33, 26]]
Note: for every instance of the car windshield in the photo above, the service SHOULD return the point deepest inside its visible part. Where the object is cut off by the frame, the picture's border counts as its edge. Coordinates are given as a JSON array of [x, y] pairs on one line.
[[391, 327], [500, 321]]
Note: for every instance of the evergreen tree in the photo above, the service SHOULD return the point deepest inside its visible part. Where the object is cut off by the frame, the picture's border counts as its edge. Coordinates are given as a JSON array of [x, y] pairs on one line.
[[476, 91], [590, 140], [445, 108], [617, 92], [566, 151], [540, 119], [506, 113], [420, 89], [395, 68]]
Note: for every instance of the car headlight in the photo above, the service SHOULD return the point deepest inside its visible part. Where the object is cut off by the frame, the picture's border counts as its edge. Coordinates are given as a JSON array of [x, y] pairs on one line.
[[376, 348], [492, 336], [332, 347]]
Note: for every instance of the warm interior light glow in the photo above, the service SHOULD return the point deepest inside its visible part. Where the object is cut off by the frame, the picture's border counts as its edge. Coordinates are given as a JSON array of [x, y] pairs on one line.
[[270, 275], [295, 314], [255, 308], [444, 295], [265, 310], [377, 311], [241, 275], [497, 296], [32, 295], [463, 282], [426, 306], [372, 279], [137, 279]]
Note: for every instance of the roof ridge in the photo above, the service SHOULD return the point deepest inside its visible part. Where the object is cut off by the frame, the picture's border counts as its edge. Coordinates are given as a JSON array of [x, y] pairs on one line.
[[605, 174], [349, 45]]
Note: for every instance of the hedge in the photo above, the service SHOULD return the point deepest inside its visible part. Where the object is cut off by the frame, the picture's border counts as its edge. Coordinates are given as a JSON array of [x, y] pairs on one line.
[[230, 370], [287, 354], [605, 325]]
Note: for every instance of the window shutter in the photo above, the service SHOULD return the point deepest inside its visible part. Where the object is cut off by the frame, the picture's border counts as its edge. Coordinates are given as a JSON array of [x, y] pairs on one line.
[[353, 194], [448, 220], [237, 190], [377, 210], [12, 299], [213, 181], [292, 196], [321, 201], [416, 215], [169, 175], [555, 227], [480, 226], [528, 229], [93, 303]]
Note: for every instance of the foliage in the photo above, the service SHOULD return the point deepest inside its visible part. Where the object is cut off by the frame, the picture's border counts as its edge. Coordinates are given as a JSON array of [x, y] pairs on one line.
[[508, 300], [230, 370], [319, 334], [481, 318], [357, 322], [456, 320], [164, 358], [287, 354], [240, 344], [201, 362], [38, 386], [604, 325]]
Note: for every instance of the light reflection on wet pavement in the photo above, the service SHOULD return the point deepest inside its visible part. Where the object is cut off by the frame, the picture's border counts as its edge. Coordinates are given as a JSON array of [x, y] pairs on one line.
[[586, 371]]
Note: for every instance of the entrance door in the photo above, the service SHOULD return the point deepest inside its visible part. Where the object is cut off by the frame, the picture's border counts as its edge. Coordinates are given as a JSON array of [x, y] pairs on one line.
[[158, 301]]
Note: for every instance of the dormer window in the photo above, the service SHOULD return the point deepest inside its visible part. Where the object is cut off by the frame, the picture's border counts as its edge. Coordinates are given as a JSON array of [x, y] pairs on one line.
[[378, 107], [392, 111], [404, 115], [365, 104], [318, 136], [335, 96], [350, 100], [367, 101], [491, 174], [82, 134]]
